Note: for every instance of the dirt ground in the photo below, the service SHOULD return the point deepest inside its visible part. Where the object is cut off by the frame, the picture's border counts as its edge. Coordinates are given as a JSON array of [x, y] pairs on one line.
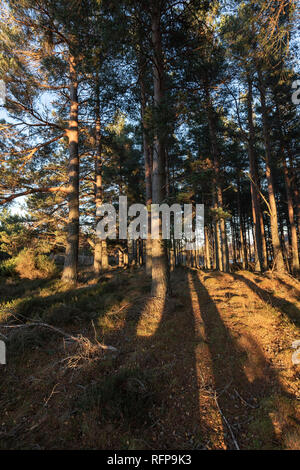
[[208, 368]]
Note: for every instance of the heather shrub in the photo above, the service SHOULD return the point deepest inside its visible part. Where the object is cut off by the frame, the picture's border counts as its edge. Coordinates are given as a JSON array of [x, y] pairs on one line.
[[46, 266], [7, 267], [31, 265]]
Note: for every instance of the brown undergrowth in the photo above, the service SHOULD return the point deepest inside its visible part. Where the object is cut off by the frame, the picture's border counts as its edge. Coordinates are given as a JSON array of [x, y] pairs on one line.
[[208, 368]]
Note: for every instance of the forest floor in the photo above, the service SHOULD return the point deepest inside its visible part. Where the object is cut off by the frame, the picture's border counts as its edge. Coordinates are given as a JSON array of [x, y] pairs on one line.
[[210, 368]]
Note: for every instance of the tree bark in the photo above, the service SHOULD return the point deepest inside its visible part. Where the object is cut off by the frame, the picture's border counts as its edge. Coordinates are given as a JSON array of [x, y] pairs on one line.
[[294, 238], [278, 256], [147, 164], [160, 269], [71, 258], [255, 197], [104, 259], [98, 181], [242, 236], [288, 188], [207, 249], [224, 261]]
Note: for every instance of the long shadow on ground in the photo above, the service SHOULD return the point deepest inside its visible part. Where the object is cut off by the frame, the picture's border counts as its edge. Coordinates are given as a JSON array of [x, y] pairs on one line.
[[286, 308], [229, 362], [161, 341]]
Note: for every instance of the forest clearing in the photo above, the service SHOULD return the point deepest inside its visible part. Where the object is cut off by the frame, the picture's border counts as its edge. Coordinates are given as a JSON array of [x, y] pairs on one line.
[[149, 225]]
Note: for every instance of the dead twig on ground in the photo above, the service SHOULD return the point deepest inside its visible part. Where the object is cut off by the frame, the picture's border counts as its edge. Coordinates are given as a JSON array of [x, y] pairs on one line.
[[227, 424], [244, 401], [51, 394], [78, 339]]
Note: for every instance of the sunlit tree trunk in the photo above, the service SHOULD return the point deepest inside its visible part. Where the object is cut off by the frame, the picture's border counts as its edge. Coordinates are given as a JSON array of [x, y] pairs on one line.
[[207, 249], [255, 198], [120, 258], [224, 259], [104, 259], [125, 254], [71, 259], [148, 166], [295, 184], [160, 270], [263, 238], [294, 238], [242, 236], [217, 242], [233, 242], [278, 256], [288, 188], [98, 181]]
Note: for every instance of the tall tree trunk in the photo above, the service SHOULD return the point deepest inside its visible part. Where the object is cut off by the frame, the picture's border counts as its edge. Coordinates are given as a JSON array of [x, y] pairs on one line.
[[295, 184], [278, 256], [98, 181], [207, 249], [233, 244], [255, 198], [160, 269], [263, 238], [248, 243], [288, 188], [242, 235], [294, 238], [216, 182], [71, 259], [217, 264], [147, 163]]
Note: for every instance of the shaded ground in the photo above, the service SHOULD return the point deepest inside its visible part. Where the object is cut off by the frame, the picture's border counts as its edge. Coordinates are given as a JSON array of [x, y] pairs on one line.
[[208, 369]]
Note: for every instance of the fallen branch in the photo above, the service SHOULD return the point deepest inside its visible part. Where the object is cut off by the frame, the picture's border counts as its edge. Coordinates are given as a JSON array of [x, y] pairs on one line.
[[77, 339], [228, 425], [244, 401], [51, 394]]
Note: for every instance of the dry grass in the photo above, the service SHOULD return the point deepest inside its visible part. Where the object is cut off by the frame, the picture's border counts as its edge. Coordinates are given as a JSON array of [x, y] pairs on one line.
[[210, 365], [31, 265]]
